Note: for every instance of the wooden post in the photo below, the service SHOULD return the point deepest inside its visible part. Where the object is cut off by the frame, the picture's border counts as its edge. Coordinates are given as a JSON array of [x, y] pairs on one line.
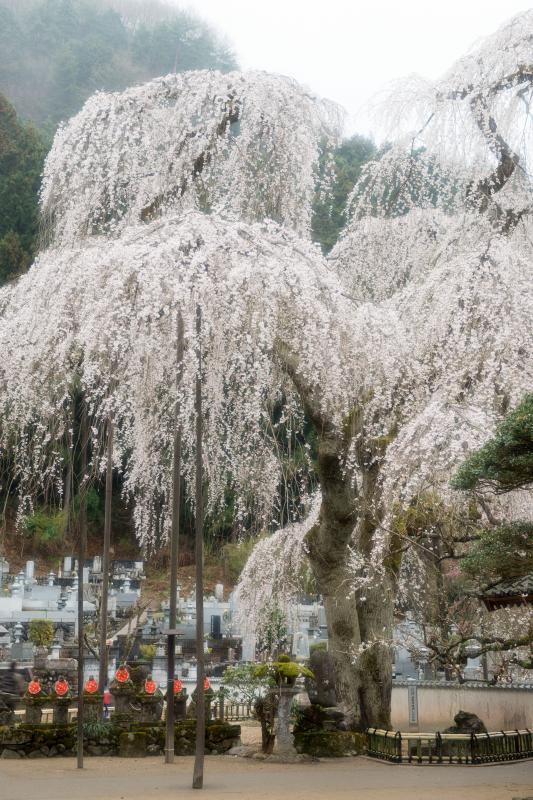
[[198, 774], [82, 488], [174, 547], [102, 676]]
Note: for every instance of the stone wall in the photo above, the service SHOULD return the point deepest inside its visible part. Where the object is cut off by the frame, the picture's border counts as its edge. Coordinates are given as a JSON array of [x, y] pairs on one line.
[[105, 739], [500, 707]]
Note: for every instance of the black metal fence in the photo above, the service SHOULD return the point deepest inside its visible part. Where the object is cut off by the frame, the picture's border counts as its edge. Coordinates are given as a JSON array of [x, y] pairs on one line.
[[449, 748]]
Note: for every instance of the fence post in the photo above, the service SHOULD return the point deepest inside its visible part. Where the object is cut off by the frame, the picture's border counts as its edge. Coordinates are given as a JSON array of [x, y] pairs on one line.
[[438, 738], [398, 739]]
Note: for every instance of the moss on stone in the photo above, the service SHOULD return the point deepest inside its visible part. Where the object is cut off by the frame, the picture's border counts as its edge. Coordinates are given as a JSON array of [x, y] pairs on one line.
[[46, 740], [329, 744]]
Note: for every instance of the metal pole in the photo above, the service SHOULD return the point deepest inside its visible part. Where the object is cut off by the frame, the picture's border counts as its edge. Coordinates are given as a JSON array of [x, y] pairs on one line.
[[102, 677], [174, 543], [198, 774], [82, 488]]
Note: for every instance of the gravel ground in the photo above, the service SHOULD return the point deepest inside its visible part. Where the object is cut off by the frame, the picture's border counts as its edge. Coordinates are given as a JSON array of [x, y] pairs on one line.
[[230, 777]]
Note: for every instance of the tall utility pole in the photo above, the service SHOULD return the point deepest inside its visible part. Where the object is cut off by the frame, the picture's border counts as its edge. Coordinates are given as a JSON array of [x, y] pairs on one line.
[[198, 774], [174, 545], [82, 489], [102, 676]]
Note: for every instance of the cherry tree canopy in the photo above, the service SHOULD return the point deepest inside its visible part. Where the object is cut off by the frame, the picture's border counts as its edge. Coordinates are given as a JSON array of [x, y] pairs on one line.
[[244, 145], [437, 258], [402, 349], [103, 318]]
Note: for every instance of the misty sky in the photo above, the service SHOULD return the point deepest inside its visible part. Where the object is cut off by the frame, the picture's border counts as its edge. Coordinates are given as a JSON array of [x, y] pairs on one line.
[[348, 50]]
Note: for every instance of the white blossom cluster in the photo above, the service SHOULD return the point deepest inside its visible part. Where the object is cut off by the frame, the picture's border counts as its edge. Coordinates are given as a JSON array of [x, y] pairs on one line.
[[264, 581], [103, 318], [490, 84], [246, 145], [161, 199], [442, 294]]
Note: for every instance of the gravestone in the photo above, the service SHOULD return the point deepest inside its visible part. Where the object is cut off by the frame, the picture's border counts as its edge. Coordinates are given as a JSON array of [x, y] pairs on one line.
[[321, 688], [248, 648], [300, 645]]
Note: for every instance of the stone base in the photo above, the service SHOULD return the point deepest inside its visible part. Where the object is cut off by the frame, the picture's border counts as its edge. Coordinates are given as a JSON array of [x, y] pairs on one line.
[[60, 712], [151, 709], [250, 751], [33, 714], [277, 758], [132, 745], [330, 744], [7, 716]]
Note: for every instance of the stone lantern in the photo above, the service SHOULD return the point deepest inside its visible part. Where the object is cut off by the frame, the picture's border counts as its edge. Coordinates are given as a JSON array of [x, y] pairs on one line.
[[150, 699], [123, 692], [179, 698], [33, 701], [209, 696], [61, 699], [92, 700]]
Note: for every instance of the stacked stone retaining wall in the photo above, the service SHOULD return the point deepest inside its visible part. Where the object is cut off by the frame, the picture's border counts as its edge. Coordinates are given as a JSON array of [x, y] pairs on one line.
[[106, 739]]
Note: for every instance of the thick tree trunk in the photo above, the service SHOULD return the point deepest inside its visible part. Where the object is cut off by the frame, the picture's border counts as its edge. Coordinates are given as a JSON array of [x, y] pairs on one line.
[[374, 666], [359, 622], [359, 630], [359, 633]]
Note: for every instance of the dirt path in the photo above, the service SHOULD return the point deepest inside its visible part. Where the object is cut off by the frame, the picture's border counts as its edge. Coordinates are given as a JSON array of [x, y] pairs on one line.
[[226, 777]]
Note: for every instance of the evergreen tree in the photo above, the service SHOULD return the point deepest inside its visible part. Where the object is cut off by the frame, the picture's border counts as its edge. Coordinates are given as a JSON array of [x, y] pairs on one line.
[[503, 464], [329, 212], [55, 53], [22, 152]]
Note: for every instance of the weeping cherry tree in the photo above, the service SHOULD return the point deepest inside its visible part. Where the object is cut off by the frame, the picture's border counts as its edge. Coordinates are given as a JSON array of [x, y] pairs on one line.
[[402, 349]]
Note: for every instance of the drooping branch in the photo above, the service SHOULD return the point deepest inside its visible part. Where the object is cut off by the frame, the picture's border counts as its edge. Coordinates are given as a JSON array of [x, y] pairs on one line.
[[309, 395], [481, 194], [508, 160], [172, 194]]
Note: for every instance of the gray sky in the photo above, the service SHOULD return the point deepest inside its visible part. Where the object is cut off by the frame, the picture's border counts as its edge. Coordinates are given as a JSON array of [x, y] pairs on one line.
[[348, 50]]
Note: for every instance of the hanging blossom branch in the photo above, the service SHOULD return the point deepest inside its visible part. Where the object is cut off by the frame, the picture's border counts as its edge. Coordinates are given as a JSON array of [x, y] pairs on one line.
[[101, 320], [245, 145], [274, 573]]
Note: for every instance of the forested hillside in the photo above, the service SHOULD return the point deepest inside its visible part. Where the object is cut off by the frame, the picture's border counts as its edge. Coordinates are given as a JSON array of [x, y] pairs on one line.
[[329, 216], [22, 152], [55, 53]]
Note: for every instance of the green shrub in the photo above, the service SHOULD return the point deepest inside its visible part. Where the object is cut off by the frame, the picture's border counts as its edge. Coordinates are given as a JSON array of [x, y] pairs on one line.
[[47, 530], [245, 682], [41, 632], [147, 651]]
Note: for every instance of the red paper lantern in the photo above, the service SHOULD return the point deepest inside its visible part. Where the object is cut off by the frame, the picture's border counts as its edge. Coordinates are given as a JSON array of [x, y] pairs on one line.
[[61, 687], [91, 686], [207, 685], [122, 675], [178, 686], [150, 686], [34, 687]]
